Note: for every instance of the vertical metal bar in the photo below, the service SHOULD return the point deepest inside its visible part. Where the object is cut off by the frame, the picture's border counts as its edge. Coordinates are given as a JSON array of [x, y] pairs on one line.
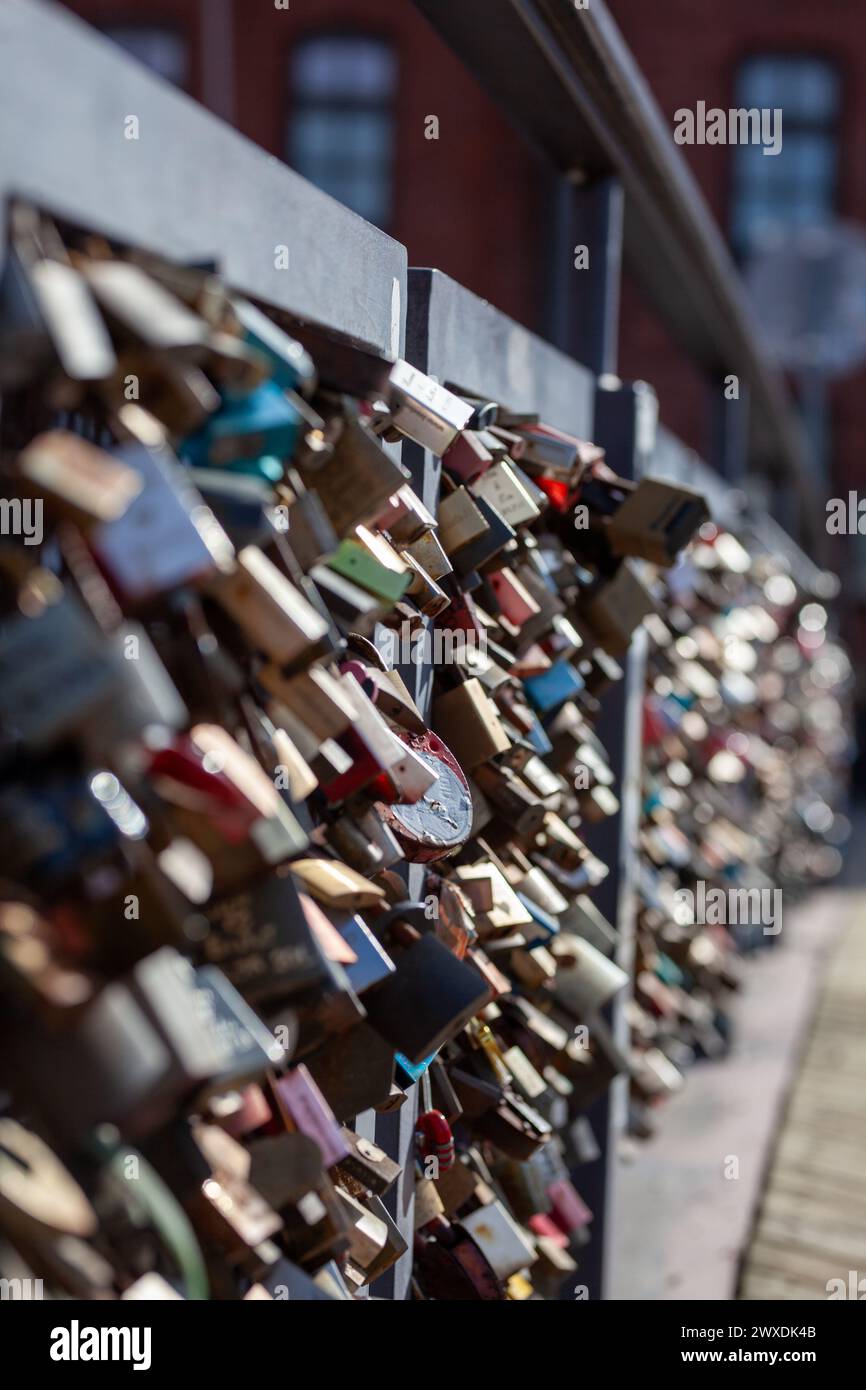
[[625, 424], [216, 47], [586, 237], [729, 443], [586, 256], [814, 409], [395, 1132]]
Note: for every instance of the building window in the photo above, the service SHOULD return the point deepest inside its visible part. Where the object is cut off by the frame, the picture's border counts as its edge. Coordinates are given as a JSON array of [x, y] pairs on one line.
[[797, 187], [158, 48], [341, 125]]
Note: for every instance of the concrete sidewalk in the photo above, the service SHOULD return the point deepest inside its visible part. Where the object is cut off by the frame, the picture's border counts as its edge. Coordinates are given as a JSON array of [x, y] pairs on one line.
[[681, 1221], [811, 1228]]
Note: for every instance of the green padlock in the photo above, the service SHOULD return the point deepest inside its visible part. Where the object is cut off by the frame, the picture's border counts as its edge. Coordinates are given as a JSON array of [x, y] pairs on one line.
[[354, 562]]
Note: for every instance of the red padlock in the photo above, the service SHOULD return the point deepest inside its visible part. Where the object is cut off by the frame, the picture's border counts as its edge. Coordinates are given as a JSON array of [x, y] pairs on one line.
[[435, 1139]]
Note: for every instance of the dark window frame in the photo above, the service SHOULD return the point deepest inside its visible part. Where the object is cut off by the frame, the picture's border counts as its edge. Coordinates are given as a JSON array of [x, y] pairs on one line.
[[109, 28], [742, 180], [383, 106]]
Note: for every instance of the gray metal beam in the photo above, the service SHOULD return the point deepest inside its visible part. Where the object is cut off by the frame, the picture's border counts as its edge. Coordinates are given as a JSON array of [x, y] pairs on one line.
[[566, 78], [470, 345], [188, 186]]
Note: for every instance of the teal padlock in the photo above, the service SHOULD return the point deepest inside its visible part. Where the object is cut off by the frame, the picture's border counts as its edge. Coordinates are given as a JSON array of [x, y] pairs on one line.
[[291, 365], [265, 422]]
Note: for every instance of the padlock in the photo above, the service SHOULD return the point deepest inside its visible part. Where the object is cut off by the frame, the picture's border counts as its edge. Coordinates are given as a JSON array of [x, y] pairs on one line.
[[359, 478], [496, 906], [291, 365], [429, 557], [368, 1236], [656, 520], [500, 1238], [585, 979], [468, 721], [341, 366], [317, 697], [514, 1127], [354, 1070], [140, 308], [423, 410], [552, 688], [352, 608], [241, 504], [316, 1230], [503, 487], [361, 562], [468, 457], [253, 432], [306, 522], [428, 999], [48, 311], [512, 599], [457, 1187], [336, 886], [451, 1265], [461, 521], [248, 1047], [525, 1186], [361, 840], [439, 821], [391, 697], [175, 392], [512, 798], [57, 650], [166, 536], [305, 1109], [372, 962], [617, 606], [76, 480], [226, 1209], [555, 454], [116, 1064], [405, 518], [211, 791], [366, 1166], [274, 615], [433, 1134]]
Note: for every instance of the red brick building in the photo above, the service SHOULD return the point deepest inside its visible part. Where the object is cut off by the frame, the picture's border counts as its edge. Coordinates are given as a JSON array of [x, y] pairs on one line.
[[345, 90]]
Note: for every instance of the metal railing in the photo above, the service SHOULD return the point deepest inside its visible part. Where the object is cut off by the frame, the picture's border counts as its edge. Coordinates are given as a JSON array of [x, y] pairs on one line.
[[191, 188], [565, 77]]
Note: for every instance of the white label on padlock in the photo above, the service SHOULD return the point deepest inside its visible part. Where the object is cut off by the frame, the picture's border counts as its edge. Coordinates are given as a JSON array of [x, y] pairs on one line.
[[424, 410]]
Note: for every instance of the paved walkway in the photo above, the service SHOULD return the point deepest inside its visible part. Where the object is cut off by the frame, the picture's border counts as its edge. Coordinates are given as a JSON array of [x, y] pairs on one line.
[[682, 1212], [811, 1227]]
